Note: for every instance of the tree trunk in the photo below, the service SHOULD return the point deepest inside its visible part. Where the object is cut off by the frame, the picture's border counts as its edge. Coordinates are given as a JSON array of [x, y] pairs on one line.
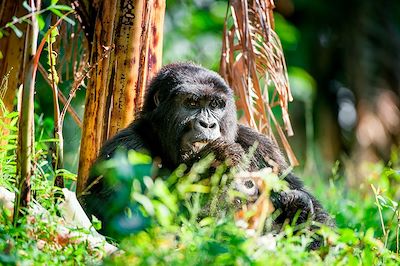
[[11, 47], [126, 51]]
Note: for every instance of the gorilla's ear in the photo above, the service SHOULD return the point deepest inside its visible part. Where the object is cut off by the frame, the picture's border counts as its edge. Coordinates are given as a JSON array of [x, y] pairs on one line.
[[156, 99]]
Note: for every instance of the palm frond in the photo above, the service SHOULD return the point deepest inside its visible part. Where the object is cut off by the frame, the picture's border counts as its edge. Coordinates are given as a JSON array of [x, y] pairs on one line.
[[253, 63]]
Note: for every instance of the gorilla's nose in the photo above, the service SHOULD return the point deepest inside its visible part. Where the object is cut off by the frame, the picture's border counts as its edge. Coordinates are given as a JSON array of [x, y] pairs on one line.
[[207, 128], [205, 124]]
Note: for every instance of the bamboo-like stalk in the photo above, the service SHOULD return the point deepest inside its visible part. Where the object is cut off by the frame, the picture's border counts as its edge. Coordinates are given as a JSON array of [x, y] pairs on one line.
[[133, 30], [58, 135], [96, 92], [128, 49], [26, 122]]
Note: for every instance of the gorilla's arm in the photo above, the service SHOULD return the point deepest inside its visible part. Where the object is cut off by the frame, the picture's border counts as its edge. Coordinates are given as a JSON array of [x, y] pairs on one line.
[[267, 154], [99, 196]]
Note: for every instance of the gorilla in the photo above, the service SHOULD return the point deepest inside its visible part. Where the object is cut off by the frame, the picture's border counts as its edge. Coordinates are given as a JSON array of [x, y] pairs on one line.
[[189, 112]]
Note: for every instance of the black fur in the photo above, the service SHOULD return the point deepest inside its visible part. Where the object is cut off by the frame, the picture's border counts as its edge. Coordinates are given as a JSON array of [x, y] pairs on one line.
[[184, 104]]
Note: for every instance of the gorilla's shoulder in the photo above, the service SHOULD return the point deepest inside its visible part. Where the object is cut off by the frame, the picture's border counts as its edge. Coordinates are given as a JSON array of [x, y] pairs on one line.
[[129, 138]]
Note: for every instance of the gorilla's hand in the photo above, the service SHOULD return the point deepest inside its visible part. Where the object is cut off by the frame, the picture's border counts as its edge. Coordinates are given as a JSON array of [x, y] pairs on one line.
[[292, 204], [224, 152]]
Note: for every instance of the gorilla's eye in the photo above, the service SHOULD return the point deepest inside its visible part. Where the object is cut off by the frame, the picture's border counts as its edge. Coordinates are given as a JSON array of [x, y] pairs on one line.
[[192, 102], [217, 104], [213, 104]]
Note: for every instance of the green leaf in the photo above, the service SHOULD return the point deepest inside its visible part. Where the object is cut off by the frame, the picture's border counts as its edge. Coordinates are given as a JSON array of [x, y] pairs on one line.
[[163, 214], [162, 192], [348, 236], [135, 158], [1, 55], [61, 15], [145, 202], [96, 223], [63, 7], [198, 188], [15, 29], [41, 22], [54, 32], [27, 6]]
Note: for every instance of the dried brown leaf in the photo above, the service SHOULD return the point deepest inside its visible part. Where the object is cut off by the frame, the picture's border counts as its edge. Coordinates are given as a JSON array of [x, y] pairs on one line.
[[253, 63]]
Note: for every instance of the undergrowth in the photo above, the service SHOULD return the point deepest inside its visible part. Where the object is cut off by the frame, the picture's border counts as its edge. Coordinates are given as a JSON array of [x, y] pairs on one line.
[[176, 234]]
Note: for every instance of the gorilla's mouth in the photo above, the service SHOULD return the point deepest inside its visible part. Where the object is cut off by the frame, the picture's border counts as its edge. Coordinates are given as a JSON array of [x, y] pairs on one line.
[[194, 146], [190, 148], [198, 145]]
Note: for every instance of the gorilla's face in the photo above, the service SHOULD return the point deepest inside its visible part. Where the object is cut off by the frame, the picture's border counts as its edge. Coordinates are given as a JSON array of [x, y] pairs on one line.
[[201, 115], [191, 106]]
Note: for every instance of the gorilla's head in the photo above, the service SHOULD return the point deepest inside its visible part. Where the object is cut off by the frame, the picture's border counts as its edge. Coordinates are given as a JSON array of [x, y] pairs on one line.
[[189, 106]]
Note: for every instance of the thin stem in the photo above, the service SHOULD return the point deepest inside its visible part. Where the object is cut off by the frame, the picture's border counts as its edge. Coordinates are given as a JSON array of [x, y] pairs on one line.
[[24, 18]]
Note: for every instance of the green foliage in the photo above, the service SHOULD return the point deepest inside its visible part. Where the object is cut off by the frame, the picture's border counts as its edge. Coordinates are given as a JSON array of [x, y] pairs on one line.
[[372, 206], [37, 242], [8, 146], [178, 233], [53, 7], [182, 238]]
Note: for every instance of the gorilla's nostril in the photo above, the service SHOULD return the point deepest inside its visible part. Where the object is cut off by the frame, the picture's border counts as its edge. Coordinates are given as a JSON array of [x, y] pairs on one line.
[[249, 183], [203, 124], [213, 125]]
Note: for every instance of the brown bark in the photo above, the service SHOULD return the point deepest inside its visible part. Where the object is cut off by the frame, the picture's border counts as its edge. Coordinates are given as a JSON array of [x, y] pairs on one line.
[[126, 51], [12, 49]]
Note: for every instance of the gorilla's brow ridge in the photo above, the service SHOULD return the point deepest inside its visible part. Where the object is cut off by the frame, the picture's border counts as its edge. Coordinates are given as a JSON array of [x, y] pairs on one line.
[[202, 90]]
